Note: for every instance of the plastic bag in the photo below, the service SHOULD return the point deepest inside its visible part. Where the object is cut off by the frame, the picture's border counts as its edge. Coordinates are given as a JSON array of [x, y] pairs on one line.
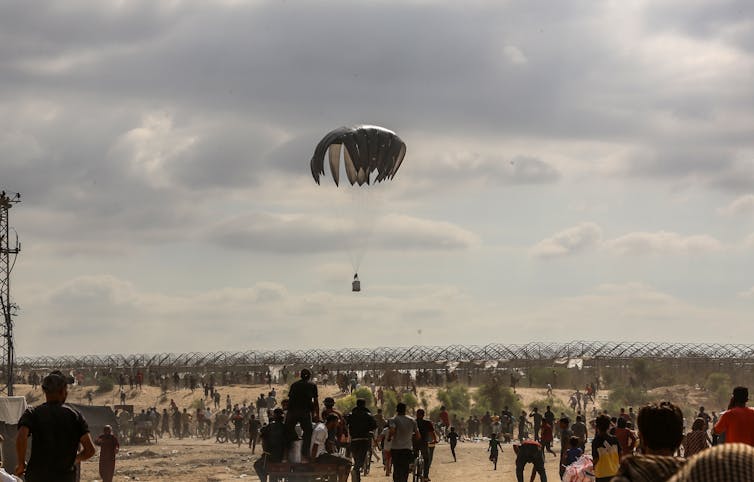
[[609, 462], [580, 471], [6, 477]]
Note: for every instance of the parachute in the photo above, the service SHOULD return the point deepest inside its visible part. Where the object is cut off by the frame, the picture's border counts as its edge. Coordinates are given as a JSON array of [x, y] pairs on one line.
[[369, 149], [372, 154]]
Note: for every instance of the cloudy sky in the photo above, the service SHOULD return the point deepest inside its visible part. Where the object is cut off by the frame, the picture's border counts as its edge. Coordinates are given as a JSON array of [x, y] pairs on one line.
[[575, 170]]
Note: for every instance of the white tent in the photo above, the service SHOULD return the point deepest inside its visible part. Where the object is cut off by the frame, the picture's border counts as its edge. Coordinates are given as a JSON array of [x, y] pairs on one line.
[[11, 409]]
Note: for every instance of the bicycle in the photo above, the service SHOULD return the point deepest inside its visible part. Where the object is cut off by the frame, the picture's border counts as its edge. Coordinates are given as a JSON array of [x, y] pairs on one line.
[[417, 470], [234, 439], [222, 435], [203, 431], [368, 459]]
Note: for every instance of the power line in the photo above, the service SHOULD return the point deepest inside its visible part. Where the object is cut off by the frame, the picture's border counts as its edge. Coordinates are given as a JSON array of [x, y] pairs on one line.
[[8, 253]]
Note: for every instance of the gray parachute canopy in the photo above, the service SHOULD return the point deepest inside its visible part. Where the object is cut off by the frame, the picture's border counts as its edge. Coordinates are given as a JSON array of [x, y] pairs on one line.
[[368, 149]]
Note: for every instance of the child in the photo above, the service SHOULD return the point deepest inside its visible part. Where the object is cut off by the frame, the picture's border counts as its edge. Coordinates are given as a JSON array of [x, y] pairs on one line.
[[605, 451], [384, 441], [453, 439], [494, 444], [573, 453]]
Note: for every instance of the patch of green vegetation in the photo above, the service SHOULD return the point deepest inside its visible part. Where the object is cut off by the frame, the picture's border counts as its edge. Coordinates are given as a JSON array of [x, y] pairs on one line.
[[493, 397], [105, 384]]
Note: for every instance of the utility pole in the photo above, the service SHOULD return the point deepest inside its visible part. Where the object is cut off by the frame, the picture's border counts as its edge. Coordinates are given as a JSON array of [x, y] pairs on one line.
[[8, 254]]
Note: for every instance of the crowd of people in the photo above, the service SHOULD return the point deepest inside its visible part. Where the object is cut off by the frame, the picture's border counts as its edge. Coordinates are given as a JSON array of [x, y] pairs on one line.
[[645, 445], [640, 446]]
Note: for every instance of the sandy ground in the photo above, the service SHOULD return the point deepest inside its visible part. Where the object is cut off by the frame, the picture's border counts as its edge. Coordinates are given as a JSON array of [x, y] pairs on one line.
[[205, 460], [198, 460]]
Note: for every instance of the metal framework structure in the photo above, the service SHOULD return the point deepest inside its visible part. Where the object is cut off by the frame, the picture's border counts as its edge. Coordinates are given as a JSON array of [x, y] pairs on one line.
[[403, 357], [8, 254]]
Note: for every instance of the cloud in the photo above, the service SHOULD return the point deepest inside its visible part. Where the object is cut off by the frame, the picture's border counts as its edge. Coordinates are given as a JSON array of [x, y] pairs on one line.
[[663, 243], [314, 233], [749, 241], [399, 231], [645, 308], [568, 242], [588, 236], [514, 54], [147, 130], [747, 294], [127, 318], [463, 168], [94, 293], [743, 205]]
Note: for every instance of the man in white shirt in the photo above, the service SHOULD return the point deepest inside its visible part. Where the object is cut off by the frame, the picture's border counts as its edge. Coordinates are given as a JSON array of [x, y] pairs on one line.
[[319, 451]]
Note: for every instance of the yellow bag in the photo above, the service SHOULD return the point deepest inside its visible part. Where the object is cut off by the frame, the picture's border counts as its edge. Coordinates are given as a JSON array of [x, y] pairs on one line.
[[609, 461]]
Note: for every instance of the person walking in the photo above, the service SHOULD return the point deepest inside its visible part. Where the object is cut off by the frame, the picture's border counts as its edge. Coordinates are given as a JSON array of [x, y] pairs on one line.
[[427, 441], [537, 422], [403, 431], [626, 438], [385, 443], [546, 438], [494, 448], [453, 440], [605, 451], [696, 440], [57, 430], [109, 447], [361, 426], [580, 431], [254, 426], [564, 425], [238, 421]]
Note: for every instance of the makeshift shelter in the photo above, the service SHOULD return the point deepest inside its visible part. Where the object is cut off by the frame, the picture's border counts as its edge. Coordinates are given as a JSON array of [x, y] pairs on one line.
[[11, 409], [97, 416]]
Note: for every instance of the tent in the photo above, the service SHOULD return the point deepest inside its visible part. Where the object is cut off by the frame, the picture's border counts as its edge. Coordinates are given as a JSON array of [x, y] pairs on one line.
[[97, 416], [11, 409]]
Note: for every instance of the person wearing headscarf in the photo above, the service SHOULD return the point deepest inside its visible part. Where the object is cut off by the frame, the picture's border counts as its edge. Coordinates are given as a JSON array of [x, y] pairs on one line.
[[722, 463]]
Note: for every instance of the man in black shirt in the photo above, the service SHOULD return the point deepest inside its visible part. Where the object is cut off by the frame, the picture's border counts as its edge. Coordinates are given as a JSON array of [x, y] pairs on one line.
[[537, 422], [427, 441], [273, 444], [303, 403], [57, 430], [361, 426], [549, 416]]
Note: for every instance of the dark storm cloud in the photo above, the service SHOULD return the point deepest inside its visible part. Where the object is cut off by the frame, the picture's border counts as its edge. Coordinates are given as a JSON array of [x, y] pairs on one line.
[[413, 66], [247, 89]]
